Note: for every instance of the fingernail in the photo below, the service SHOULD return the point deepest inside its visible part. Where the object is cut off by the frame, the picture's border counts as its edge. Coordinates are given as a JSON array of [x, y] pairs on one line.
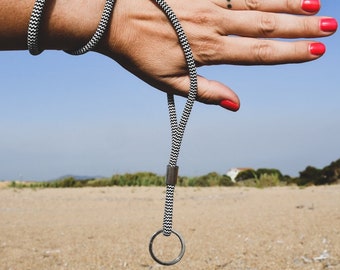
[[311, 5], [229, 105], [328, 24], [317, 48]]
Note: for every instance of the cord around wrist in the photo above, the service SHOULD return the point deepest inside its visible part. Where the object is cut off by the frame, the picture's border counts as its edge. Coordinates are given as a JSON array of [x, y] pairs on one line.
[[66, 26]]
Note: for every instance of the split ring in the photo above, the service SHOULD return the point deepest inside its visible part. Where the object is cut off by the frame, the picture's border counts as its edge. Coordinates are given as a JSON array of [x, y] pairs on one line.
[[174, 261]]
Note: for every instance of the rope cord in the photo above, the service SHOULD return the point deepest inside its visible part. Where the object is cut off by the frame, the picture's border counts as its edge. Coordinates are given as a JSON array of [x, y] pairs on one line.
[[177, 130], [35, 21], [33, 27], [102, 26]]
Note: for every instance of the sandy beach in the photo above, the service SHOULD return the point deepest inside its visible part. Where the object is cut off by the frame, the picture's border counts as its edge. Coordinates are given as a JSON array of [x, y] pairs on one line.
[[224, 228]]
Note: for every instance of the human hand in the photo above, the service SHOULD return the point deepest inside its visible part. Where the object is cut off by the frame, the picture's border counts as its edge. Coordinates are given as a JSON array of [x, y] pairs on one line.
[[143, 41]]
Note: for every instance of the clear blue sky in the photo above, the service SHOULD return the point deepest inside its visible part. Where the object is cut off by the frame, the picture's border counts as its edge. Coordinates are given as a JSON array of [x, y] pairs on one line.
[[62, 114]]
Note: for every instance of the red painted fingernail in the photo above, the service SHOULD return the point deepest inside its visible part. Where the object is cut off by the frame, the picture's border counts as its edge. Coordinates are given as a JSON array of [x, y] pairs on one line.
[[317, 48], [229, 105], [310, 5], [328, 24]]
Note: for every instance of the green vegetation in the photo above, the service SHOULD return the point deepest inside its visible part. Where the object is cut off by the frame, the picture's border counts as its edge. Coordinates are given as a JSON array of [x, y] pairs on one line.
[[251, 178], [136, 179], [328, 175]]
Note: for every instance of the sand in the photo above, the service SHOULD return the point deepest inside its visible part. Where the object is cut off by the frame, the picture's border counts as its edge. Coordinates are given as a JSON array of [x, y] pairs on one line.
[[224, 228]]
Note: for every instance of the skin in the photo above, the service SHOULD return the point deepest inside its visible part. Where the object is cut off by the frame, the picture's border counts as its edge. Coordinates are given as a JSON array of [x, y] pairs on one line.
[[141, 39]]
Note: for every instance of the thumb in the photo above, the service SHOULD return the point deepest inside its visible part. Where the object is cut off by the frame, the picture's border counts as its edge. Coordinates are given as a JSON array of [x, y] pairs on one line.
[[214, 92]]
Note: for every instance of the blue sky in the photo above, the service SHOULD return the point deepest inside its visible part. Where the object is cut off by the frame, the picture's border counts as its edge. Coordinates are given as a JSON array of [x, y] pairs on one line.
[[62, 114]]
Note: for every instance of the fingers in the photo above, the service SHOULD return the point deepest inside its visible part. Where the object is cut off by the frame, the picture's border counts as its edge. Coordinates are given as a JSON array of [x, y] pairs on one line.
[[271, 25], [286, 6], [237, 41], [240, 42], [251, 51]]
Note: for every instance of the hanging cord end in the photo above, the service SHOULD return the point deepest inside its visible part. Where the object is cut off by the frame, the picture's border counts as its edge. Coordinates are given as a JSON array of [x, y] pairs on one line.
[[171, 175]]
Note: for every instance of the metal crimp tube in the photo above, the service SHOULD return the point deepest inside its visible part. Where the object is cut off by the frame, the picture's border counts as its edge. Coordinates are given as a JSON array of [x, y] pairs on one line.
[[171, 175]]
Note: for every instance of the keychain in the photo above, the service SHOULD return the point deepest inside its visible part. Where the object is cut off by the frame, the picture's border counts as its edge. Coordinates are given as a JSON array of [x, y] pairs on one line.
[[177, 129], [177, 132]]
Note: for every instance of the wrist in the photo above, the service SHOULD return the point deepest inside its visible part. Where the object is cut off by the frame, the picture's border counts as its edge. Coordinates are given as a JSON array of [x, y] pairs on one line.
[[68, 25]]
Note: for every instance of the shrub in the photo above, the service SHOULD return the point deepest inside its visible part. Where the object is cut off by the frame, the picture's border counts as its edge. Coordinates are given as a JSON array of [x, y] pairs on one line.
[[201, 181], [225, 181], [330, 174], [268, 180], [247, 174], [310, 175], [267, 172]]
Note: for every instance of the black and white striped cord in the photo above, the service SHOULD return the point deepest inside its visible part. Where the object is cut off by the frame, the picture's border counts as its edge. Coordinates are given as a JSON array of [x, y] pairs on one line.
[[35, 21], [177, 133], [33, 27], [177, 129], [102, 26]]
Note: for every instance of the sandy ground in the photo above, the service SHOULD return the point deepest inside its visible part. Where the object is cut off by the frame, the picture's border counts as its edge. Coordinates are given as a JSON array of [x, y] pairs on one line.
[[224, 228]]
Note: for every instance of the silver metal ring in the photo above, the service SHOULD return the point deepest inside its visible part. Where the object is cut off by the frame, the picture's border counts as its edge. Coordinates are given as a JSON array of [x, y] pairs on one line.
[[180, 255]]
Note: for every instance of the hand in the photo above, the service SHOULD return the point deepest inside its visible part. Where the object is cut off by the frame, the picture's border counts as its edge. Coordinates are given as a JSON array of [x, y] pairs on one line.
[[143, 41]]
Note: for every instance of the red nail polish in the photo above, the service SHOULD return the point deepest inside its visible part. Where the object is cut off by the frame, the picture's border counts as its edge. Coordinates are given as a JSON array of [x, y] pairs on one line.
[[328, 24], [229, 105], [310, 5], [317, 48]]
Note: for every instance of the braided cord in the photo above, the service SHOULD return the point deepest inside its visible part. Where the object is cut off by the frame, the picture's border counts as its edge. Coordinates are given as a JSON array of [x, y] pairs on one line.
[[33, 27], [102, 26], [177, 130], [35, 21]]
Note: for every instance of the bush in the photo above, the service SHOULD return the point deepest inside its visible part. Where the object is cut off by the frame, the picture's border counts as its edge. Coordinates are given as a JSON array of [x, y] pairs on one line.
[[137, 179], [225, 181], [201, 181], [272, 172], [330, 174], [310, 175], [268, 180], [247, 174], [208, 180]]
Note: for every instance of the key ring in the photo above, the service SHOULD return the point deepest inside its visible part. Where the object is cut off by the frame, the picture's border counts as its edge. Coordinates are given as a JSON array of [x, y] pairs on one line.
[[174, 261]]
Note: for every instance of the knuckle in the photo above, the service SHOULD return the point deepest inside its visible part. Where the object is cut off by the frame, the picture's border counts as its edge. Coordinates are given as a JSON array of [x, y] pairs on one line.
[[290, 4], [267, 24], [206, 51], [206, 97], [263, 52], [252, 4], [203, 16]]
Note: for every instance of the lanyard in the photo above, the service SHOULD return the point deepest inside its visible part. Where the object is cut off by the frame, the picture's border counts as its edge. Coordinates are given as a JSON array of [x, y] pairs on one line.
[[177, 129], [177, 133]]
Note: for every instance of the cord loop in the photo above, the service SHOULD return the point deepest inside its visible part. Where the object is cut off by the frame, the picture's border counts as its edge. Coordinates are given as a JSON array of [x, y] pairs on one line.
[[35, 21], [177, 129]]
